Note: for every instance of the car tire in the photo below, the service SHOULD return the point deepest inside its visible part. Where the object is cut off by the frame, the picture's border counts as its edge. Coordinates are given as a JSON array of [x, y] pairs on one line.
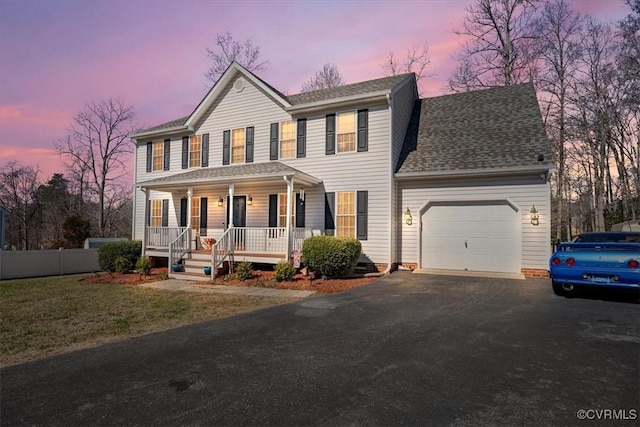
[[557, 289]]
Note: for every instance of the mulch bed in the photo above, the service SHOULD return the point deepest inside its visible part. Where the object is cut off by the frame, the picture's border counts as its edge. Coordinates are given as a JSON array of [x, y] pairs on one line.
[[259, 278]]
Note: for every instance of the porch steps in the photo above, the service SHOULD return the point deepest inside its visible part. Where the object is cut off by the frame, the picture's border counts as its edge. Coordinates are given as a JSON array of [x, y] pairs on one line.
[[193, 267]]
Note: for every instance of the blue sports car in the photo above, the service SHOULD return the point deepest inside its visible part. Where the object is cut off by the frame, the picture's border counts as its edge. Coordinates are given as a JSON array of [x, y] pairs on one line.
[[607, 259]]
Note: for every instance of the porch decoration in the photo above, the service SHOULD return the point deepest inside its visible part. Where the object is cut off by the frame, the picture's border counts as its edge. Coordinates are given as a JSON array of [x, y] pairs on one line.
[[206, 270], [177, 267], [207, 243]]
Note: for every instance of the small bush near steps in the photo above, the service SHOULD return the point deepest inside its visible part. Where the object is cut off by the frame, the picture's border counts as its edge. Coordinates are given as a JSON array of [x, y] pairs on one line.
[[283, 271], [122, 265], [331, 256], [244, 271], [144, 265]]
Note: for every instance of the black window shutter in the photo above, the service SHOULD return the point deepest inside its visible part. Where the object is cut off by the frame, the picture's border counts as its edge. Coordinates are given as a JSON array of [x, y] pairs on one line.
[[249, 145], [273, 147], [148, 213], [362, 214], [203, 216], [329, 222], [363, 130], [301, 150], [331, 134], [226, 146], [167, 152], [273, 210], [299, 212], [185, 152], [165, 212], [149, 156], [205, 150], [183, 212]]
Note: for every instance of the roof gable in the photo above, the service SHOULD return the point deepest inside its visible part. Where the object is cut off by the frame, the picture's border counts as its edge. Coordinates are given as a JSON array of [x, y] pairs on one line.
[[499, 128]]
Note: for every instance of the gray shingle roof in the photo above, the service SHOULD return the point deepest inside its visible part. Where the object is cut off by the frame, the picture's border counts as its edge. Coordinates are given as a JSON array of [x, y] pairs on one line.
[[361, 88], [486, 129], [233, 172], [385, 83]]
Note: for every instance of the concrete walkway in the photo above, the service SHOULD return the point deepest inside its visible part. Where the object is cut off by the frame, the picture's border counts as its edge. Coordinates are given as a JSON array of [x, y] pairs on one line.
[[185, 285]]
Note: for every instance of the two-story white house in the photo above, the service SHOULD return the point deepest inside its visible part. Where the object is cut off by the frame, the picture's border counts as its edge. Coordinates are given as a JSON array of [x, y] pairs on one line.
[[445, 183]]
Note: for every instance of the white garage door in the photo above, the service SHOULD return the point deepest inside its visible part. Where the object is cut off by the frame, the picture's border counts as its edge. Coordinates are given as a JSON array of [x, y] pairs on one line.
[[471, 236]]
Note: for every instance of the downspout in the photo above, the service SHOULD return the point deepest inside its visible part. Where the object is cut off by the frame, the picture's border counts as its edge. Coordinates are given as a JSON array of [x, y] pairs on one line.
[[391, 236]]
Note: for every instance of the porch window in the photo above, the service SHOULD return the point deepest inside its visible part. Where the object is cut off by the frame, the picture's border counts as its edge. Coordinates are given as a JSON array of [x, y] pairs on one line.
[[158, 155], [287, 139], [156, 213], [237, 145], [346, 131], [195, 213], [195, 151], [282, 211], [346, 214]]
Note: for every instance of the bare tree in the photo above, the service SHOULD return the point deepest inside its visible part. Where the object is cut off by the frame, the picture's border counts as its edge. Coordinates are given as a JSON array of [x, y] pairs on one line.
[[327, 77], [228, 50], [415, 61], [558, 29], [18, 186], [500, 51], [98, 144]]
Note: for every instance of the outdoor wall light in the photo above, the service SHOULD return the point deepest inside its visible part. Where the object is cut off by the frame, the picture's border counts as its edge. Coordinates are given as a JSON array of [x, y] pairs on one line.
[[220, 202], [250, 200], [535, 216], [408, 219]]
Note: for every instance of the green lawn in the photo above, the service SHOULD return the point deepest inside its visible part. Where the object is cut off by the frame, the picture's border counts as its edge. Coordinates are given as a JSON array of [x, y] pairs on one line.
[[45, 316]]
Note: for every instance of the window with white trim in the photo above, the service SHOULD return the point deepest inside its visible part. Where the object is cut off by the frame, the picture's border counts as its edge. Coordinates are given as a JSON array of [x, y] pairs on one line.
[[282, 210], [237, 145], [346, 131], [346, 214], [195, 151], [287, 139], [156, 213], [195, 213], [157, 156]]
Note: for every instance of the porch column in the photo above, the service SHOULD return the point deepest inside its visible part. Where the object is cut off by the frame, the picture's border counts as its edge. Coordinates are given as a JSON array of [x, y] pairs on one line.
[[189, 196], [231, 224], [289, 181], [144, 220]]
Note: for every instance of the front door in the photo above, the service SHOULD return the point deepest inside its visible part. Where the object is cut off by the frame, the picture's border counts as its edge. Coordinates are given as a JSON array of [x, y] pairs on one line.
[[239, 211]]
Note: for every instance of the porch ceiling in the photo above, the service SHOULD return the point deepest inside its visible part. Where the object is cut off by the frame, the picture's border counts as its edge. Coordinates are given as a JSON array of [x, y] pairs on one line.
[[232, 174]]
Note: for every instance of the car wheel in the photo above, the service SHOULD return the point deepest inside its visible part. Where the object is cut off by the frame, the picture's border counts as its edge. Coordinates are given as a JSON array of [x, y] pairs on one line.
[[557, 289]]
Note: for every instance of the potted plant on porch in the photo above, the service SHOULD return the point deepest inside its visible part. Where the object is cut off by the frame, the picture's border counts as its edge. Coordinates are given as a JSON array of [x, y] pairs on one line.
[[207, 270], [177, 267]]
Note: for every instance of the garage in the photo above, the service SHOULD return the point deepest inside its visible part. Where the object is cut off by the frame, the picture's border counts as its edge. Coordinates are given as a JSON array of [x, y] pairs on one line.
[[473, 236]]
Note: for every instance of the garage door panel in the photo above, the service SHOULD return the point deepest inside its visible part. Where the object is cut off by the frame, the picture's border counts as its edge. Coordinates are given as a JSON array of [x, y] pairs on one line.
[[474, 236]]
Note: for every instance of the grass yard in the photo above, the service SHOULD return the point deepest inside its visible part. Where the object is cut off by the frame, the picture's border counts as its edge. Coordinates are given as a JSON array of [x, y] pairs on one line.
[[46, 316]]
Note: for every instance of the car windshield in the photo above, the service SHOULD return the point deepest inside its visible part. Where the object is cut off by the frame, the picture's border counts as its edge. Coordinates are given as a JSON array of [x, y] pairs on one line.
[[608, 238]]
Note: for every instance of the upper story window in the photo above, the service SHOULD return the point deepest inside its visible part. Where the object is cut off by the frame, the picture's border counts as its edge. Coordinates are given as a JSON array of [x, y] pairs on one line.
[[158, 156], [195, 151], [346, 131], [287, 139], [237, 145]]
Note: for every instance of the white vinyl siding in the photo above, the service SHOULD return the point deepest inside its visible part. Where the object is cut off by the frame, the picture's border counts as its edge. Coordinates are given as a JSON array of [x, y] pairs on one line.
[[352, 171]]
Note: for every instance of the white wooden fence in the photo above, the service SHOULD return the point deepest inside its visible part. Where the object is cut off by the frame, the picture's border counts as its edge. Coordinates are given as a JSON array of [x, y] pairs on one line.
[[20, 264]]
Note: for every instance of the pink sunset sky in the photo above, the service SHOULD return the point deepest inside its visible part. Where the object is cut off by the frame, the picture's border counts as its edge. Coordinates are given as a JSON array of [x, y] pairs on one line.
[[57, 56]]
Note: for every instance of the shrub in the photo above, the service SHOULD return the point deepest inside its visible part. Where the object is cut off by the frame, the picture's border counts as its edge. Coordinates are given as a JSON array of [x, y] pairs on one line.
[[331, 256], [144, 265], [122, 265], [284, 271], [244, 270], [128, 249]]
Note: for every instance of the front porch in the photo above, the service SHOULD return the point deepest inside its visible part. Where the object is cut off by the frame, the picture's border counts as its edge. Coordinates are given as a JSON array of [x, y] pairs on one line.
[[268, 245]]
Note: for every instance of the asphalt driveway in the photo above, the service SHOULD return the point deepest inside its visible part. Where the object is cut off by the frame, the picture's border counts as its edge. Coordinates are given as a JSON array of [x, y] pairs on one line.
[[407, 350]]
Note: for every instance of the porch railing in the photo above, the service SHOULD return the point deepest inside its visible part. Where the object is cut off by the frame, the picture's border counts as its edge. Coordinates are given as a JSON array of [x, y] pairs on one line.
[[221, 251], [180, 246], [257, 240], [299, 236], [161, 237]]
